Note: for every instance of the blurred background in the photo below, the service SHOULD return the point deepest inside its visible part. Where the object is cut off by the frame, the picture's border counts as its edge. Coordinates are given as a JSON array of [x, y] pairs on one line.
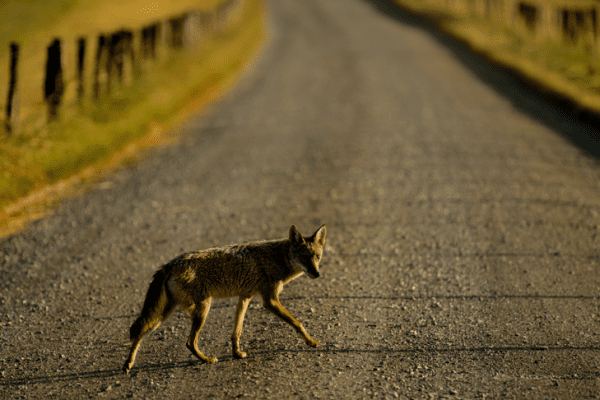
[[560, 35], [82, 80]]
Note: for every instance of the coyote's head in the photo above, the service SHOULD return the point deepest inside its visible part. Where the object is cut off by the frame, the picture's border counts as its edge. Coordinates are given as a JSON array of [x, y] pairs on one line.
[[306, 252]]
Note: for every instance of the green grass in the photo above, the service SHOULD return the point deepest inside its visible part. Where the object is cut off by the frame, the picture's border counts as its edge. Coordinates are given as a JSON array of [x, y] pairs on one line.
[[570, 70], [90, 136], [19, 18]]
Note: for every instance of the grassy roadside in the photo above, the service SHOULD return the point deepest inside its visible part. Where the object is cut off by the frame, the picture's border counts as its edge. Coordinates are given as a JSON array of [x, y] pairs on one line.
[[571, 72], [35, 23], [39, 167]]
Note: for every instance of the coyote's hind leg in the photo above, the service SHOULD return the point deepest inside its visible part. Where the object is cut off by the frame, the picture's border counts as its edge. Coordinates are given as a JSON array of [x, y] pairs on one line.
[[141, 327], [240, 312], [131, 359], [198, 317]]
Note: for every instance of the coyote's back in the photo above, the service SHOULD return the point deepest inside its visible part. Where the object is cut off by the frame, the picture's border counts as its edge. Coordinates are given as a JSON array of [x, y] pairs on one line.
[[192, 279]]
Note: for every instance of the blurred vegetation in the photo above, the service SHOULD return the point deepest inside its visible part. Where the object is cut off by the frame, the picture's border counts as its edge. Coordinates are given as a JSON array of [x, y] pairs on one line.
[[31, 22], [22, 19], [91, 133], [569, 69]]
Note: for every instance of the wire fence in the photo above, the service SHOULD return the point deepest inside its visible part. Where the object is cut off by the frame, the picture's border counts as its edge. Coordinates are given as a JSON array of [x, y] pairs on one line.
[[102, 63]]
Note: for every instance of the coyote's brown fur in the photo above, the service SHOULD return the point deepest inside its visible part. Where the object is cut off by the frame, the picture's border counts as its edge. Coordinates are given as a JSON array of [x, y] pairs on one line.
[[193, 279]]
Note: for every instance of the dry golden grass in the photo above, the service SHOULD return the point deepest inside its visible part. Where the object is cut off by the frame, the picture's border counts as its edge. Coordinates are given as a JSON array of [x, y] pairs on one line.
[[103, 135], [572, 71], [34, 24]]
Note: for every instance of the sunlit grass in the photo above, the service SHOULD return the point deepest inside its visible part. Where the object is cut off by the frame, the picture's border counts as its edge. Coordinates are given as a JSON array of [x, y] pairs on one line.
[[35, 23], [92, 134], [570, 69]]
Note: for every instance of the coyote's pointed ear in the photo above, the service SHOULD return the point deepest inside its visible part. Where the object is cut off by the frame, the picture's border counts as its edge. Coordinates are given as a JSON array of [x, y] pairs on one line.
[[295, 235], [320, 235]]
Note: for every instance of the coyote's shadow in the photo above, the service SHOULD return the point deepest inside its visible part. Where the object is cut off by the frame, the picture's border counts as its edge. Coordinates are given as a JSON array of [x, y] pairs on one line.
[[258, 356]]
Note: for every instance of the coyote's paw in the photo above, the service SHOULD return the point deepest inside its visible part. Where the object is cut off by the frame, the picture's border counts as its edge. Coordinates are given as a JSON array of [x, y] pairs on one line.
[[126, 368], [240, 354], [197, 353], [312, 343]]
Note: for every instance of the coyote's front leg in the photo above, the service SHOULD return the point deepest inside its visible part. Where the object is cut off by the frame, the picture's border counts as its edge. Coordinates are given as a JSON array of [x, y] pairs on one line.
[[272, 304]]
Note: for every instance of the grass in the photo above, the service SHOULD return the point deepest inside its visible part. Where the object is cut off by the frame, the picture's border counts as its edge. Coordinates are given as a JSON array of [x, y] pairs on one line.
[[29, 19], [572, 71], [90, 136], [32, 21], [34, 24]]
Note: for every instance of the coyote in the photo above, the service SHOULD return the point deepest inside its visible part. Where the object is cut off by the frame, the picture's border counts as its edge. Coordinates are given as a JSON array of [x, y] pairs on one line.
[[191, 280]]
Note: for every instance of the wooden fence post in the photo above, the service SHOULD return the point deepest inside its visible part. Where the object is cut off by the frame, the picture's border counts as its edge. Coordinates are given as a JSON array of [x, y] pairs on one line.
[[11, 114], [80, 68], [129, 52], [156, 34], [175, 25], [115, 58], [149, 39], [53, 85], [143, 43], [110, 59], [100, 49]]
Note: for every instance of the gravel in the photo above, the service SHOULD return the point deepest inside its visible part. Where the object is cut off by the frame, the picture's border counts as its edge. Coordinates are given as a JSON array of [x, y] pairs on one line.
[[462, 251]]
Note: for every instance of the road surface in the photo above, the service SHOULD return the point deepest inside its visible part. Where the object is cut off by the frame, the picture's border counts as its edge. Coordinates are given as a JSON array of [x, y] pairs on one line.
[[462, 233]]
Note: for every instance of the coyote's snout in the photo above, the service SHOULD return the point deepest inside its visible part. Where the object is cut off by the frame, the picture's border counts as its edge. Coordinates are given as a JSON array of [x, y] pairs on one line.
[[193, 279]]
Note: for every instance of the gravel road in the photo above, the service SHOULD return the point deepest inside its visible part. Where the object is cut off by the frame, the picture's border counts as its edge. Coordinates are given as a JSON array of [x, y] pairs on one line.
[[462, 233]]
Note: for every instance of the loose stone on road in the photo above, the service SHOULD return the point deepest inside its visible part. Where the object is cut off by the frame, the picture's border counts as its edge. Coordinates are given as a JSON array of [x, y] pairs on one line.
[[462, 233]]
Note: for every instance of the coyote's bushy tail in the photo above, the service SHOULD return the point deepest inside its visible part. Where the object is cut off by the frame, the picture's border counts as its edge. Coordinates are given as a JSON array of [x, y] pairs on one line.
[[157, 306]]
